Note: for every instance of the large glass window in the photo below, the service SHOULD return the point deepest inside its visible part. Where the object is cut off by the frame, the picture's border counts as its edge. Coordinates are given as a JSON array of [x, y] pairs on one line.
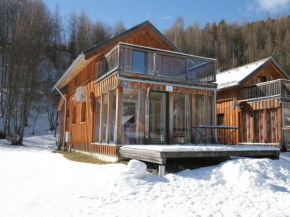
[[286, 117], [203, 112], [158, 129], [133, 116], [104, 118], [98, 114], [181, 118], [112, 116]]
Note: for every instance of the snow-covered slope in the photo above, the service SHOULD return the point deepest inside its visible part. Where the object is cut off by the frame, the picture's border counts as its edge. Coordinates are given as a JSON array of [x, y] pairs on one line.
[[36, 182]]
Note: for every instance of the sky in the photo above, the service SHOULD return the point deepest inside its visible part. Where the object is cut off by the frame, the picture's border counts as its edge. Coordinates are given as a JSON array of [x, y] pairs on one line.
[[163, 13]]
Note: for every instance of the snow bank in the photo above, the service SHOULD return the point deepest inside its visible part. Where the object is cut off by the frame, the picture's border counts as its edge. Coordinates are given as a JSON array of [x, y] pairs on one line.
[[137, 168]]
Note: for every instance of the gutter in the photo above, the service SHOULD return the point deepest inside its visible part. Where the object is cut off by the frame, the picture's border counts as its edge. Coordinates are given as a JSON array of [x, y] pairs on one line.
[[64, 124]]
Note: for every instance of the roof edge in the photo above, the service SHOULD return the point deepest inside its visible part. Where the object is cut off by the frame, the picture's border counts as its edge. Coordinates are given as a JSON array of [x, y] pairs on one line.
[[74, 63], [267, 60], [280, 68]]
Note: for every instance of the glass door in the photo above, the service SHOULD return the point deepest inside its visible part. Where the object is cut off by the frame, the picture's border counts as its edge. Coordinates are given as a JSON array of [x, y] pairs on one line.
[[158, 119]]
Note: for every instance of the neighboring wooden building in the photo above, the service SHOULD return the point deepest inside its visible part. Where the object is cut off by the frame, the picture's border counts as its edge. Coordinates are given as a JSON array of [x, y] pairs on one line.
[[261, 91], [142, 90]]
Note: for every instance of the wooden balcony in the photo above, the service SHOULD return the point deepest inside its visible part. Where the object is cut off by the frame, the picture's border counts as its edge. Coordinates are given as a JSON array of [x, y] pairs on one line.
[[155, 64], [277, 88]]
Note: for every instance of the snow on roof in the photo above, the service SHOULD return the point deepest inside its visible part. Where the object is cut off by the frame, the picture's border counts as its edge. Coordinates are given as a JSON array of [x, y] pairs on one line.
[[234, 76]]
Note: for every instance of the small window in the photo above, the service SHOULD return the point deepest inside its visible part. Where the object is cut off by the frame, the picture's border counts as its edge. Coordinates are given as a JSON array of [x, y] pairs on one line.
[[83, 117], [221, 119], [262, 79], [74, 115]]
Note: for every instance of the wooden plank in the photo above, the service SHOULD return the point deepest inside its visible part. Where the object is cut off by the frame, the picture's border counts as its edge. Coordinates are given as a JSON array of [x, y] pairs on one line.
[[119, 115]]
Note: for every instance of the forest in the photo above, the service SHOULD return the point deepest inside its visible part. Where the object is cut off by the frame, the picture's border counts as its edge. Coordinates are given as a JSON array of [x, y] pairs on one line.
[[37, 45]]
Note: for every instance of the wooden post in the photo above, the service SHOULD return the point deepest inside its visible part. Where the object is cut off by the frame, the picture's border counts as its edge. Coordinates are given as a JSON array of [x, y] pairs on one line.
[[119, 115], [170, 117]]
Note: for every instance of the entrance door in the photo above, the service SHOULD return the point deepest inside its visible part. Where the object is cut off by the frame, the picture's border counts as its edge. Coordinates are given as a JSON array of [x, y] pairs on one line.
[[158, 120]]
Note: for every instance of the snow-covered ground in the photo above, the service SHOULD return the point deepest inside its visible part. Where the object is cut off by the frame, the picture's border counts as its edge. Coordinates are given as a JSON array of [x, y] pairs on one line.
[[36, 182]]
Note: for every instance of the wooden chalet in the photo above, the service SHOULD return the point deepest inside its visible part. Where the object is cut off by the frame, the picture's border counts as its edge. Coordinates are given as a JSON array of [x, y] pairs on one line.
[[141, 89], [256, 98]]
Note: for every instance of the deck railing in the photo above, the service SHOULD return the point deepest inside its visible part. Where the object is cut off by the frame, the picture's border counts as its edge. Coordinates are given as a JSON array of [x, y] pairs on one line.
[[278, 87], [155, 62]]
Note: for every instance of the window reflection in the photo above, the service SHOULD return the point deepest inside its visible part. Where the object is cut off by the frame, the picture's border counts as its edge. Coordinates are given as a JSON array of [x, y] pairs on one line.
[[104, 118], [181, 118], [133, 116]]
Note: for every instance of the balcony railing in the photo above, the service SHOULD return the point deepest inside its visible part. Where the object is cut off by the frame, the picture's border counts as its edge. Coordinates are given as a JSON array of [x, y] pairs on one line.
[[155, 62], [278, 87]]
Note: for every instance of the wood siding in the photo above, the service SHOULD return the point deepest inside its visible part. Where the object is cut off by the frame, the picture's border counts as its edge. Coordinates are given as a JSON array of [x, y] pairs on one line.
[[232, 117], [83, 133]]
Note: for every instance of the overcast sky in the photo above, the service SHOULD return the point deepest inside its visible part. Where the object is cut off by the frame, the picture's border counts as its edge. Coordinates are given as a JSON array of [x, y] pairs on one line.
[[162, 13]]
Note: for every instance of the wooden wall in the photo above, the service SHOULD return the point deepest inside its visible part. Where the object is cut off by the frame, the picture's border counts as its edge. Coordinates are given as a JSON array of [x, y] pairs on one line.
[[225, 99], [83, 132]]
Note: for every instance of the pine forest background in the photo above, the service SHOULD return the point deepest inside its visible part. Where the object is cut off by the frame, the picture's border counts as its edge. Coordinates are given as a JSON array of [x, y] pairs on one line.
[[37, 46]]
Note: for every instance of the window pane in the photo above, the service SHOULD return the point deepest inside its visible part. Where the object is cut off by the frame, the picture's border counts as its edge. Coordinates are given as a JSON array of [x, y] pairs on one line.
[[181, 118], [203, 113], [158, 117], [286, 117], [133, 116], [104, 118], [136, 61], [171, 66], [98, 108], [139, 62], [199, 110], [221, 119], [113, 116]]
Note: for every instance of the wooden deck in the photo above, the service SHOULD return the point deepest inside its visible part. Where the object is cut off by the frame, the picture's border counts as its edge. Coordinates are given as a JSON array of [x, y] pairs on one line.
[[151, 153]]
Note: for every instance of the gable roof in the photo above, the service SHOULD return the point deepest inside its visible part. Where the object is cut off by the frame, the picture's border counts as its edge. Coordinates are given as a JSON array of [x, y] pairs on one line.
[[236, 76], [127, 32], [82, 60]]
